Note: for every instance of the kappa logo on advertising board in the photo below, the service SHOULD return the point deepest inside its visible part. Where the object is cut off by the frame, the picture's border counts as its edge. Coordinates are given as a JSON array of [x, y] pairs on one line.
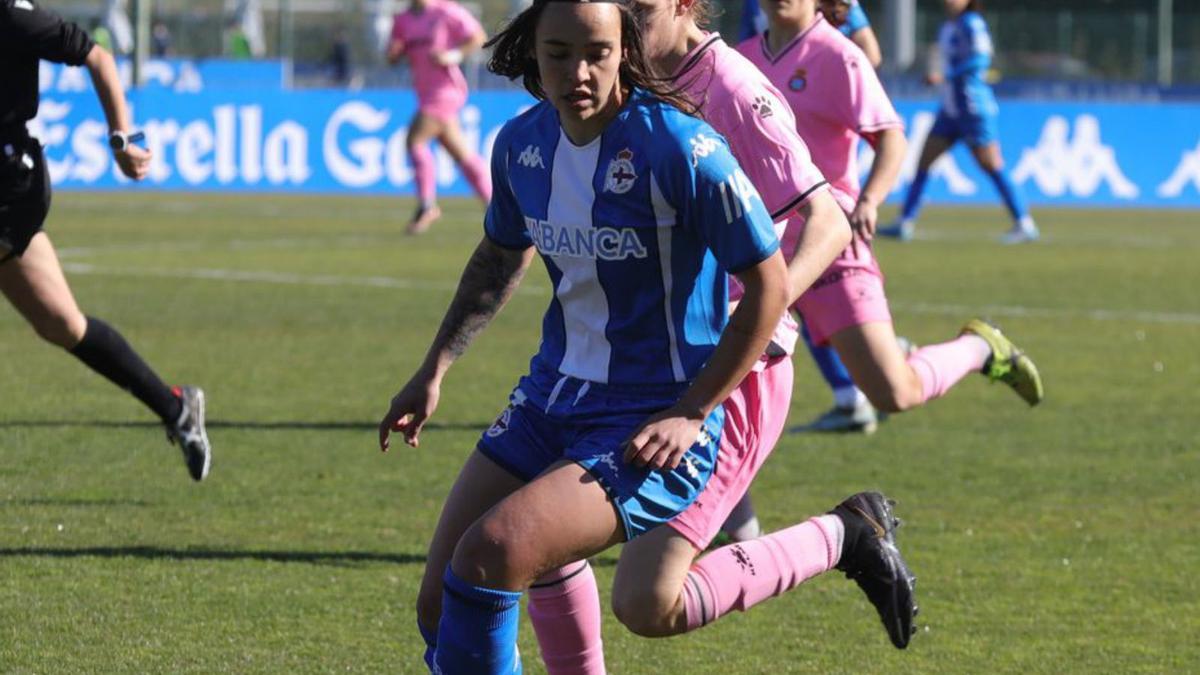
[[1185, 174], [1076, 163]]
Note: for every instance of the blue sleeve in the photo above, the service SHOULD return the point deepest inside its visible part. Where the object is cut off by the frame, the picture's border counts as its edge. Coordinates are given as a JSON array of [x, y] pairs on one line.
[[752, 22], [856, 20], [720, 203], [979, 45], [503, 222]]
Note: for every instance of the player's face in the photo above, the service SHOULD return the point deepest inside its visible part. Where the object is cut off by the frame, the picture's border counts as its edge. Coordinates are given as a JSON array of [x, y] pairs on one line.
[[788, 11], [579, 59], [836, 11], [660, 27], [954, 7]]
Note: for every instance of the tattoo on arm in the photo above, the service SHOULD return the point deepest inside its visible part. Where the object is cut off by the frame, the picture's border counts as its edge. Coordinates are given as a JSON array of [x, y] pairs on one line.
[[489, 280]]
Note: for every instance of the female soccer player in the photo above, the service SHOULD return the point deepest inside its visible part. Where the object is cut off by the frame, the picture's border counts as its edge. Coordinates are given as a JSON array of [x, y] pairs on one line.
[[435, 35], [638, 211], [657, 591], [30, 274], [847, 15], [837, 98], [969, 112]]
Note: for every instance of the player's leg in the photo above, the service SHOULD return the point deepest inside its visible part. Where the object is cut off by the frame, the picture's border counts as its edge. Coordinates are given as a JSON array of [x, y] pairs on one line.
[[505, 551], [941, 137], [480, 485], [35, 285], [987, 153], [421, 131], [659, 592], [564, 608], [472, 165], [851, 411]]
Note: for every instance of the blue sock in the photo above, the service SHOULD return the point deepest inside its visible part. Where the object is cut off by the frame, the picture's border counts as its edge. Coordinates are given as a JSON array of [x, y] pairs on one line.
[[430, 638], [828, 362], [478, 632], [1009, 193], [912, 200]]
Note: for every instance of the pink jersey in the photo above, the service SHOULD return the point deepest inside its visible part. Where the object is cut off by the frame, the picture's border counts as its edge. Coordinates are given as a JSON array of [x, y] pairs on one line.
[[744, 107], [442, 25], [835, 95]]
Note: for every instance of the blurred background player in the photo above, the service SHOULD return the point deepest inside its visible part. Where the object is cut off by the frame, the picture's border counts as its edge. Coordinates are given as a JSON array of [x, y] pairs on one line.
[[851, 411], [837, 98], [30, 274], [435, 35], [969, 113], [847, 15], [615, 429], [657, 591]]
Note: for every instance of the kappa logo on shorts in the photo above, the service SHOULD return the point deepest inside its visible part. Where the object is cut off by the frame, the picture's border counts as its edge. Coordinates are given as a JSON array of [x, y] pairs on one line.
[[610, 461], [531, 157]]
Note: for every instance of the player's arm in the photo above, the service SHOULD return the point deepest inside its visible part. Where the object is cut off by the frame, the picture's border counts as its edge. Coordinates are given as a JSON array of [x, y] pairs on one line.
[[889, 145], [396, 45], [133, 161], [825, 235], [490, 277], [471, 38], [866, 40]]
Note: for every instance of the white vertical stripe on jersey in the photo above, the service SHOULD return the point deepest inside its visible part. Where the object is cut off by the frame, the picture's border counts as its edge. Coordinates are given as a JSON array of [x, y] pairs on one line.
[[664, 217], [587, 352]]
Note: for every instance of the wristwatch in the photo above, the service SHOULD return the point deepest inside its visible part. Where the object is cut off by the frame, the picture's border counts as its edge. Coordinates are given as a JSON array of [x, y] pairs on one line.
[[120, 140]]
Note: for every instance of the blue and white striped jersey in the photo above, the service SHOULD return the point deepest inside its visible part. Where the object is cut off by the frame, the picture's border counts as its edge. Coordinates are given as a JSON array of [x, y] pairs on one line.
[[966, 51], [637, 229]]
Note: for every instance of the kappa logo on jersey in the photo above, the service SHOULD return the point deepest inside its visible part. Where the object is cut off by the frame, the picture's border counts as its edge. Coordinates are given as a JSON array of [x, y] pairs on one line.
[[702, 146], [620, 176], [1079, 165], [531, 157], [799, 80], [581, 241], [762, 106]]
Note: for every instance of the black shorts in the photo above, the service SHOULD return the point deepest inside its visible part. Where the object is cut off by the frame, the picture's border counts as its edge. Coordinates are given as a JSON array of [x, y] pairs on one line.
[[24, 194]]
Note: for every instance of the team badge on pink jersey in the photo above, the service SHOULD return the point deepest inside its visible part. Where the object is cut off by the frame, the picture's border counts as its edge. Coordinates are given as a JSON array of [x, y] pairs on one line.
[[620, 176], [798, 82]]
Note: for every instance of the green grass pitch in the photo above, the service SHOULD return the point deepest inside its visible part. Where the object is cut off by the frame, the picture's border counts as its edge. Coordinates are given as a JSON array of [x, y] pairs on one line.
[[1060, 539]]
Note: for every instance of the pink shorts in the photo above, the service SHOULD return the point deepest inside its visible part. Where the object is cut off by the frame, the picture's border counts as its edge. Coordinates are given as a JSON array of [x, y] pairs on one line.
[[755, 414], [443, 106]]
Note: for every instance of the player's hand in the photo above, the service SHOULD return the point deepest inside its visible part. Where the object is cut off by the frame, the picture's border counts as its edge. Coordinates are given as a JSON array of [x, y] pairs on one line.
[[864, 218], [450, 57], [662, 441], [934, 79], [409, 410], [134, 161]]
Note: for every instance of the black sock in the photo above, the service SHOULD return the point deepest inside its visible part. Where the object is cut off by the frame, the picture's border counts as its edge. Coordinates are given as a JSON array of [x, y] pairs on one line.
[[106, 352], [854, 529]]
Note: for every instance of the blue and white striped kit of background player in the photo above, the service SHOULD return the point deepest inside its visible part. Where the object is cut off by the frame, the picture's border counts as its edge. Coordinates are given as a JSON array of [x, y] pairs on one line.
[[637, 230]]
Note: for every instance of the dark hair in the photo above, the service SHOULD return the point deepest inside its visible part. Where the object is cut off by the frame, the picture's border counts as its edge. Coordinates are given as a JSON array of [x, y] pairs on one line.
[[703, 12], [513, 54], [975, 5]]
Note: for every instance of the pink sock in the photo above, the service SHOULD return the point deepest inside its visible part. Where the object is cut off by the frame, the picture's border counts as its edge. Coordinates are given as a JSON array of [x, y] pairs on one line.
[[423, 170], [564, 607], [742, 575], [479, 178], [942, 366]]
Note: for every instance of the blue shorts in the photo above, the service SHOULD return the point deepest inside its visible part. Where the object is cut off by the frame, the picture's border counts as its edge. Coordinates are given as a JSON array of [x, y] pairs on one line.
[[552, 417], [976, 130]]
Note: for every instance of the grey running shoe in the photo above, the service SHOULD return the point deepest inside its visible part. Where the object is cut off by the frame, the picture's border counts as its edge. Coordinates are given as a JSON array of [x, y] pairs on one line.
[[861, 419], [188, 432], [871, 559]]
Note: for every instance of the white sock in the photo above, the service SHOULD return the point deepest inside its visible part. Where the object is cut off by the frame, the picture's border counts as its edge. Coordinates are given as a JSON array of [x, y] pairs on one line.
[[848, 397]]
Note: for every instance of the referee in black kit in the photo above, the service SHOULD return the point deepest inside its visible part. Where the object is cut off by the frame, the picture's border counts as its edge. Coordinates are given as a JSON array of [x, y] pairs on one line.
[[30, 274]]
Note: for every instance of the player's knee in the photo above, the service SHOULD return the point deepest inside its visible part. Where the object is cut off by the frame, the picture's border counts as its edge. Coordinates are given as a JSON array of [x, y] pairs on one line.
[[60, 330], [895, 398], [489, 554], [643, 614]]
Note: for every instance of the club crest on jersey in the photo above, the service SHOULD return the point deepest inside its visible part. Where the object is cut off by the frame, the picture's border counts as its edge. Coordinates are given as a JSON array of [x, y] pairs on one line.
[[799, 80], [620, 176]]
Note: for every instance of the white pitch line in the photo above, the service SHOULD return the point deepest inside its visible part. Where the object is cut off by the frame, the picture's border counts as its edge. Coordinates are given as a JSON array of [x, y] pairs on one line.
[[256, 276], [1186, 318], [341, 241]]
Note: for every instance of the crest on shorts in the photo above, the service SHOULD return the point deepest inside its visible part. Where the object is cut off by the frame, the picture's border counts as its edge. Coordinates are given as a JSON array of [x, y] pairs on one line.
[[799, 80], [620, 176]]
